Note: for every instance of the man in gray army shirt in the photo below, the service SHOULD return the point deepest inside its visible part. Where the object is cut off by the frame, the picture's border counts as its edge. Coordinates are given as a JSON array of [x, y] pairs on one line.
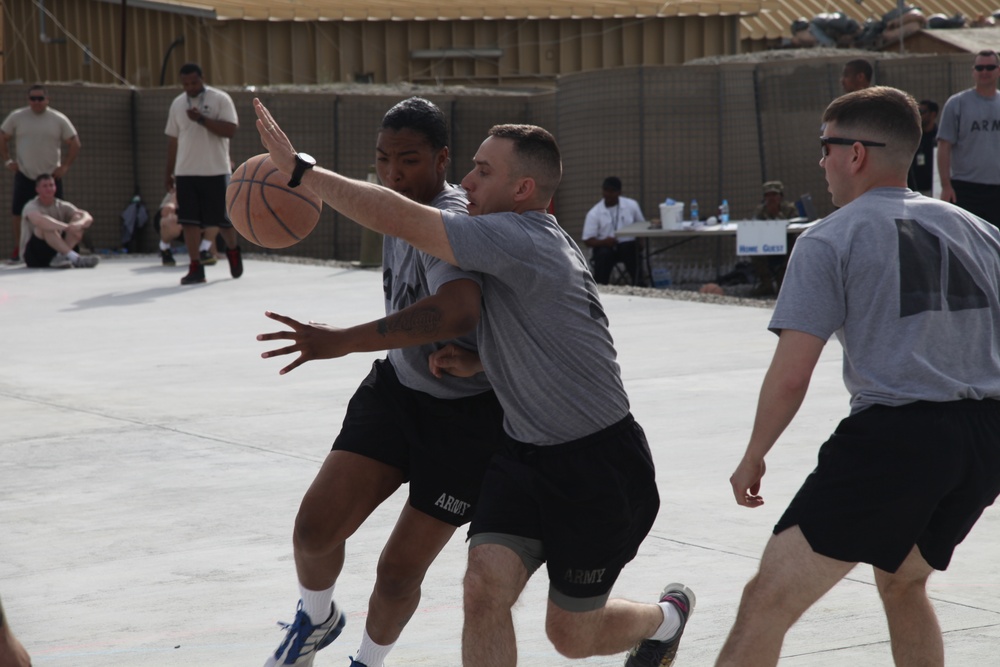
[[575, 488], [403, 424], [911, 287], [968, 141]]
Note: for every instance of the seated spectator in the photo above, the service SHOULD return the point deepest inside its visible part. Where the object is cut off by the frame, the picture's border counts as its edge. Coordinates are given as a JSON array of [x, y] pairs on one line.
[[51, 229], [170, 230], [770, 269], [605, 218]]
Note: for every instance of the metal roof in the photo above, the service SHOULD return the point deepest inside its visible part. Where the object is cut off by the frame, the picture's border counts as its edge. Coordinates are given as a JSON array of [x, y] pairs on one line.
[[443, 10]]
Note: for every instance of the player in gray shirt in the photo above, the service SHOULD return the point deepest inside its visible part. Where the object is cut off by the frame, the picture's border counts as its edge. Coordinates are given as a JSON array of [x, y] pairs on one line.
[[911, 288], [575, 489], [968, 141], [403, 424]]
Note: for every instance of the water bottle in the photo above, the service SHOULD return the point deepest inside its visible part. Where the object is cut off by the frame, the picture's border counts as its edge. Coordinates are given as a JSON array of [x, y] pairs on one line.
[[724, 212], [694, 211]]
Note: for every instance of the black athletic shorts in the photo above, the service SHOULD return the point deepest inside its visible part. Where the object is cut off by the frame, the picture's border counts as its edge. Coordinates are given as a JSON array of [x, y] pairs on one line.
[[37, 253], [582, 507], [24, 191], [890, 478], [201, 200], [980, 199], [443, 446]]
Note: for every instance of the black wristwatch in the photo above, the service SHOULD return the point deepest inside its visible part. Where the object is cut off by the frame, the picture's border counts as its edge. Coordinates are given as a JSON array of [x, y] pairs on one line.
[[303, 161]]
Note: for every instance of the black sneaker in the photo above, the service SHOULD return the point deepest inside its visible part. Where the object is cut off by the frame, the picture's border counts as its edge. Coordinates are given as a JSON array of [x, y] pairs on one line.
[[195, 274], [235, 258], [168, 257], [207, 258], [652, 653]]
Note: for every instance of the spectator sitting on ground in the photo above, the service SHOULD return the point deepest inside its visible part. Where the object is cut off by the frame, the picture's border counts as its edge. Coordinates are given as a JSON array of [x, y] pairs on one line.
[[52, 228], [170, 230]]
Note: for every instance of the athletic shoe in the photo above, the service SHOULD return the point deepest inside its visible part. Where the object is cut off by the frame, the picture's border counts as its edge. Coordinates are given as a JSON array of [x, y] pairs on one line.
[[86, 261], [355, 663], [60, 261], [168, 257], [207, 258], [235, 258], [652, 653], [303, 638], [195, 274]]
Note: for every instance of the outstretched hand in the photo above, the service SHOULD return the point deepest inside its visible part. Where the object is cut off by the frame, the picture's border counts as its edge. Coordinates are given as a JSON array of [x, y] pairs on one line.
[[454, 360], [274, 139], [311, 341], [746, 482]]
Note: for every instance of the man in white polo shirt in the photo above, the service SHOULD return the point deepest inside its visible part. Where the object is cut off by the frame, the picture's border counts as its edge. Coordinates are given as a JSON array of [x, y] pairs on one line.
[[606, 217]]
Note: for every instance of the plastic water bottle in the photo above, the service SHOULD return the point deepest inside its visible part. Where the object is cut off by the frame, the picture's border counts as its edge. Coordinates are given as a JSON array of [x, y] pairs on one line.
[[694, 211], [724, 212]]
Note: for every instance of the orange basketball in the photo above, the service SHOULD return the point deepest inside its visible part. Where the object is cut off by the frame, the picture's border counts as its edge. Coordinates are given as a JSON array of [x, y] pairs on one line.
[[264, 210]]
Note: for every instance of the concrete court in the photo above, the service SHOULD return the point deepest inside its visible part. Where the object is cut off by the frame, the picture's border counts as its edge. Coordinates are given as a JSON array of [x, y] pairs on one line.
[[151, 465]]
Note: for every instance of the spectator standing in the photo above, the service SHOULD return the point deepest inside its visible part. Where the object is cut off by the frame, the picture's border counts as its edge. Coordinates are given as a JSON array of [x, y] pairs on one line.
[[39, 133], [52, 229], [969, 143], [602, 222], [922, 170], [200, 123], [856, 75]]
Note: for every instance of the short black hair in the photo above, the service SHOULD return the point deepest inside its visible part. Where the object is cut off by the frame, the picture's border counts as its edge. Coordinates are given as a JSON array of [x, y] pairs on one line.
[[931, 105], [44, 177], [536, 152], [860, 66], [190, 68], [40, 87], [612, 183], [421, 116], [988, 53], [880, 113]]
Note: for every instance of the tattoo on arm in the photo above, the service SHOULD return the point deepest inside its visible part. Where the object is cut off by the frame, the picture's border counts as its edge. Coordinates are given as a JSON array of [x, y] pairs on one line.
[[419, 321]]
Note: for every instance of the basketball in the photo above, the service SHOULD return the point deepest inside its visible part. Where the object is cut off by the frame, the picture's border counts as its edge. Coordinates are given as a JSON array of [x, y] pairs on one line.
[[264, 210]]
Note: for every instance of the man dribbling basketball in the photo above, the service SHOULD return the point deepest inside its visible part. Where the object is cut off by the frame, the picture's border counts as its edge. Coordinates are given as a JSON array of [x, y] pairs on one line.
[[403, 424]]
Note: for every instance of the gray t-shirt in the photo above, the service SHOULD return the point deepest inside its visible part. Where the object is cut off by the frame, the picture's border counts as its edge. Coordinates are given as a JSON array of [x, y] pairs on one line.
[[971, 123], [408, 276], [543, 337], [910, 286]]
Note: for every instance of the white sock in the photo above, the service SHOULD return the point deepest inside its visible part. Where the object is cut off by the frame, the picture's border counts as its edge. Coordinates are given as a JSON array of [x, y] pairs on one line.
[[670, 625], [164, 245], [316, 603], [73, 255], [205, 245], [371, 654]]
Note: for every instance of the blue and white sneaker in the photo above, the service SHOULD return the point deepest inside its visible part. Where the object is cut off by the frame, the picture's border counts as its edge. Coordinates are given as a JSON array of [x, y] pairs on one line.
[[355, 663], [652, 653], [303, 638]]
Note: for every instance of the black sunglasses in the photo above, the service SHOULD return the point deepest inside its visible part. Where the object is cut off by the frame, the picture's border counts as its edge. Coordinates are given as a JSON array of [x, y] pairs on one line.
[[824, 142], [984, 68], [35, 98]]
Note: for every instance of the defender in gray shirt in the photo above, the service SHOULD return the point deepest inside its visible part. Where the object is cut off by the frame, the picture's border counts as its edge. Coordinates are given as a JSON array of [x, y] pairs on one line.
[[575, 488], [911, 288], [403, 424]]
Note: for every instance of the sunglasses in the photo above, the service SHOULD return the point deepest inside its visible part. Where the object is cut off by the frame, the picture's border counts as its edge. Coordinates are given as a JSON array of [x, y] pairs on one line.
[[36, 98], [984, 68], [825, 142]]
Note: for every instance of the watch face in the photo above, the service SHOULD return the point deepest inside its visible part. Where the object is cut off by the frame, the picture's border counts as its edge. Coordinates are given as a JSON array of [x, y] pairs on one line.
[[308, 159]]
